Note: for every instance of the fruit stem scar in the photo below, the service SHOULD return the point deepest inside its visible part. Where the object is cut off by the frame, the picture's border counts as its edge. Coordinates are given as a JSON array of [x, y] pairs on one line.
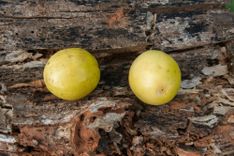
[[160, 91]]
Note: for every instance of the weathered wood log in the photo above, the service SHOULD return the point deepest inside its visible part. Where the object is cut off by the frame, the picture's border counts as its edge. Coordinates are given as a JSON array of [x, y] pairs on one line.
[[113, 24], [111, 121], [67, 128]]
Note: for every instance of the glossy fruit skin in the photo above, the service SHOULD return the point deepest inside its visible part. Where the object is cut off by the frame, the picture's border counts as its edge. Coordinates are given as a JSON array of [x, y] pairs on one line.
[[154, 77], [71, 74]]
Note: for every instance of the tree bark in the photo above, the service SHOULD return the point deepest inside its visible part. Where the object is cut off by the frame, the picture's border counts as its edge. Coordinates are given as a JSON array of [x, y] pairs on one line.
[[111, 121]]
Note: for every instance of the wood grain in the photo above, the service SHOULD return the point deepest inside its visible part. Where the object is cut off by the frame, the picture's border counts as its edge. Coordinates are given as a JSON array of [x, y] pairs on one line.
[[111, 121]]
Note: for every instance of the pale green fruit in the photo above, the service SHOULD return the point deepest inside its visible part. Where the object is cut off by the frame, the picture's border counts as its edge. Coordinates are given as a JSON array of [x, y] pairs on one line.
[[71, 74], [154, 77]]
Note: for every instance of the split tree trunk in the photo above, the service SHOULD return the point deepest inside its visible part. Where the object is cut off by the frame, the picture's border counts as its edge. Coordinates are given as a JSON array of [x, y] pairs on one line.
[[111, 121]]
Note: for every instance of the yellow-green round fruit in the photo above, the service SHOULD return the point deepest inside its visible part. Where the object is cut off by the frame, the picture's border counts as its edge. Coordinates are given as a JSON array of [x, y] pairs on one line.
[[154, 77], [71, 74]]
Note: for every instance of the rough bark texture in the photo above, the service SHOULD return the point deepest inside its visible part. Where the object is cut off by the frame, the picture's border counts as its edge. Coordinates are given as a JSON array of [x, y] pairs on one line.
[[111, 121]]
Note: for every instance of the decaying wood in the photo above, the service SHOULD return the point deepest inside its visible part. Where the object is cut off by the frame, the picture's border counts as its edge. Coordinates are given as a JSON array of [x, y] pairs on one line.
[[113, 24], [111, 121]]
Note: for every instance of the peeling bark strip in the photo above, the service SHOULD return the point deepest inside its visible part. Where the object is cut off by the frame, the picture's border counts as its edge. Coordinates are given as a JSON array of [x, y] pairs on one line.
[[111, 121], [67, 128]]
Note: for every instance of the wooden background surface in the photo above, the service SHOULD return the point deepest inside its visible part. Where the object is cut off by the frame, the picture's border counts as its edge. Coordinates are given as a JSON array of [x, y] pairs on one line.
[[199, 34]]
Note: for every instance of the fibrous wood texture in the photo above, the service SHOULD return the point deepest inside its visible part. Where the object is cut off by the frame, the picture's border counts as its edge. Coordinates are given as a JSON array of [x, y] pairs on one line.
[[111, 121]]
